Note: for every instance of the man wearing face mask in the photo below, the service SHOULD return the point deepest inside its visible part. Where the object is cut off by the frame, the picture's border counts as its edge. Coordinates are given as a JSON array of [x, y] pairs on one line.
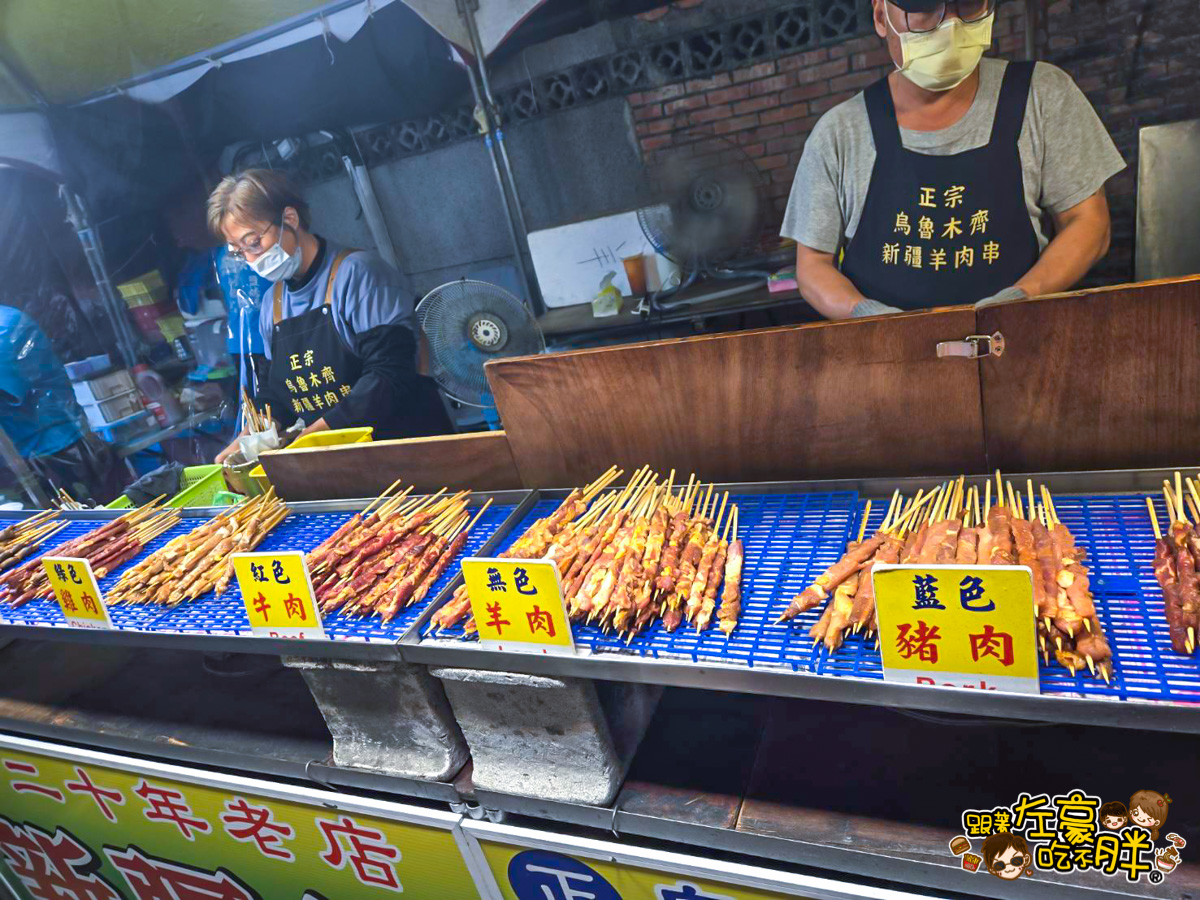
[[337, 325], [930, 187]]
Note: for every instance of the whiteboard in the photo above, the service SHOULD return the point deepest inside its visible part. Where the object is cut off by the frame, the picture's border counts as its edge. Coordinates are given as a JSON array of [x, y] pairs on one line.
[[572, 260]]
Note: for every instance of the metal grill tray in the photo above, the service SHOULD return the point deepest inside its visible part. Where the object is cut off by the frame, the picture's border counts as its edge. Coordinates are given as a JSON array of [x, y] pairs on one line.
[[790, 538], [212, 622]]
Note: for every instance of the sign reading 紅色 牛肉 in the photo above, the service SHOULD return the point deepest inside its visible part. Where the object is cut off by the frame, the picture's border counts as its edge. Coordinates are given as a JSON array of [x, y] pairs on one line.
[[278, 594], [958, 626], [518, 605]]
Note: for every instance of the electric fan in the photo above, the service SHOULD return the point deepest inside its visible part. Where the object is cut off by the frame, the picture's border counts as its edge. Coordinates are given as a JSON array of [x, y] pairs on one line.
[[706, 211], [468, 323]]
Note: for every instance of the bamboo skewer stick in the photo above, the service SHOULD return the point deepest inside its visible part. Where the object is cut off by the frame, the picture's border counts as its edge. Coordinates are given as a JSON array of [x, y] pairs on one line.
[[862, 526]]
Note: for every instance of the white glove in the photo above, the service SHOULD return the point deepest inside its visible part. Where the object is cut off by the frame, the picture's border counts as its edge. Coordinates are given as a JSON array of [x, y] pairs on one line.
[[872, 308], [1005, 296]]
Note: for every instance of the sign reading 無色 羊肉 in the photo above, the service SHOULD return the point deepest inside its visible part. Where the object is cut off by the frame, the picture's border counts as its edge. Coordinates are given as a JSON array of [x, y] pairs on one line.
[[518, 605]]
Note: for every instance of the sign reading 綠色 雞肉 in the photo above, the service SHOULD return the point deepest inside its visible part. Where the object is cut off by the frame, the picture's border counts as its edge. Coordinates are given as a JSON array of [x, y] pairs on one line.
[[958, 626], [78, 594], [518, 605], [278, 595]]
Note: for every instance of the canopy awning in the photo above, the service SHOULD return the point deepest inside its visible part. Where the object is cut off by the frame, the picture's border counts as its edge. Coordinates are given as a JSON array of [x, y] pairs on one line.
[[153, 49]]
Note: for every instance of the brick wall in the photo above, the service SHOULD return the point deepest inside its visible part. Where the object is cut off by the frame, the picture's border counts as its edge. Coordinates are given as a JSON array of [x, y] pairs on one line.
[[1137, 60], [768, 109]]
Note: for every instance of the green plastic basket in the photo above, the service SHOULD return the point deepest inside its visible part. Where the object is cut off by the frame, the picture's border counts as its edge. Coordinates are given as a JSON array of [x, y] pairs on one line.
[[200, 486]]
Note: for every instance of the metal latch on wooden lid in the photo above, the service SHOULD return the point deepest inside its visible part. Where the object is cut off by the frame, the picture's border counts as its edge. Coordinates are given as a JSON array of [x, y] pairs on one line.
[[973, 346]]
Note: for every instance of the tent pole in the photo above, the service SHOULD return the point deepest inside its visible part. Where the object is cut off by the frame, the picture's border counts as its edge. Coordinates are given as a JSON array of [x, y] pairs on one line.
[[484, 122], [467, 10], [25, 476], [77, 216]]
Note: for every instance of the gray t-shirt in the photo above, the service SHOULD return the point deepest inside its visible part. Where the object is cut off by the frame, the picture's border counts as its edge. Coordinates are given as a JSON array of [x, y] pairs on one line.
[[1066, 155], [367, 293]]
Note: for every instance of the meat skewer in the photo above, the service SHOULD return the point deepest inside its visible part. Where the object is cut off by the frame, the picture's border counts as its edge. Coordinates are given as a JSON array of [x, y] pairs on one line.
[[1180, 592], [704, 566], [106, 547], [841, 607], [715, 573], [731, 596]]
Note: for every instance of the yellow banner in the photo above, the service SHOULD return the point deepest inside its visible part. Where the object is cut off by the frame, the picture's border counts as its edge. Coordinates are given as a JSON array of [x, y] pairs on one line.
[[518, 605], [98, 832], [76, 591], [278, 594], [958, 626]]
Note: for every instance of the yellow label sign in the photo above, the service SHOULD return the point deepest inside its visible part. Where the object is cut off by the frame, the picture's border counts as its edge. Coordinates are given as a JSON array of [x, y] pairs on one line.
[[518, 605], [76, 591], [278, 595], [958, 626]]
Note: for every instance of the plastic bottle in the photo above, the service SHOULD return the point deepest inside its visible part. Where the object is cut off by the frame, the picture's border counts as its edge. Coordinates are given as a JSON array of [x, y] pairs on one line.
[[159, 399]]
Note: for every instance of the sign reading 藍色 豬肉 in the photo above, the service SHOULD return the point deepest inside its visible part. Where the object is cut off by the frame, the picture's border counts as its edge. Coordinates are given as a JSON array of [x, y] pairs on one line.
[[278, 595], [959, 626], [75, 589], [80, 824], [518, 605]]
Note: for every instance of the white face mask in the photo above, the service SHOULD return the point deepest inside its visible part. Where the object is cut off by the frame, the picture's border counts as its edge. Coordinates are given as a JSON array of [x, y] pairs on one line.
[[944, 58], [276, 264]]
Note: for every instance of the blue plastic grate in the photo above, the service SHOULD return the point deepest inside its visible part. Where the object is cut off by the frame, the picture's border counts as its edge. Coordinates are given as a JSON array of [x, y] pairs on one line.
[[46, 612], [540, 509], [779, 531], [226, 614], [374, 629], [792, 538]]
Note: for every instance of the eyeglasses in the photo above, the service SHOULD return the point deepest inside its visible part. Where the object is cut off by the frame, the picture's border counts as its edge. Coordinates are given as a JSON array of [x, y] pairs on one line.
[[1017, 861], [967, 10], [249, 244]]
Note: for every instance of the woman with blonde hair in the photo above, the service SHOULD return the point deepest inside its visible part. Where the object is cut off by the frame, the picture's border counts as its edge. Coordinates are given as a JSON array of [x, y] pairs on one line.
[[337, 324]]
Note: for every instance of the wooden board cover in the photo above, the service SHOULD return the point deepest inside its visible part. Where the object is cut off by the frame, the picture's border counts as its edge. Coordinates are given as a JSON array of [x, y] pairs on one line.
[[1102, 379], [480, 462], [833, 399]]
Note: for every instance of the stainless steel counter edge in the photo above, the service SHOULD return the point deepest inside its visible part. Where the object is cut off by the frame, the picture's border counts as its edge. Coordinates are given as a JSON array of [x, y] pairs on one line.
[[781, 682], [314, 773]]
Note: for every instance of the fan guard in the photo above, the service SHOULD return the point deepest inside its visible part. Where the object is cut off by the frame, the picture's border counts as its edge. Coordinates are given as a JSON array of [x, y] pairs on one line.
[[706, 210], [467, 323]]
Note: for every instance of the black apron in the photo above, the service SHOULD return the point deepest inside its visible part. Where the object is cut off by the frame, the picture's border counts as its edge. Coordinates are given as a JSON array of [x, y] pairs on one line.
[[313, 369], [944, 230]]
